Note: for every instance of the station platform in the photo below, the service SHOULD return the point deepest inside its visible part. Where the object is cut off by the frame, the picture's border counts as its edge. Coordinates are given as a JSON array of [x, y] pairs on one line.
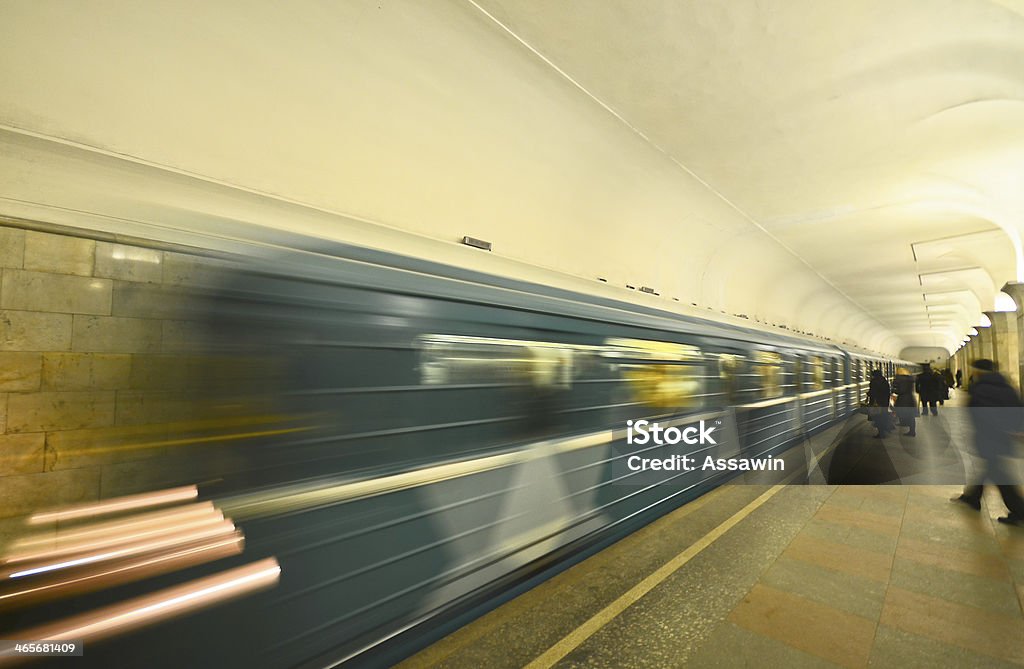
[[862, 561]]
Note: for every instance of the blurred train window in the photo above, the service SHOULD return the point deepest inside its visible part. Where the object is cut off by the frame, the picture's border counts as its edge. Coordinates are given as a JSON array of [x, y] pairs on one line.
[[452, 359], [729, 369], [768, 367], [814, 373], [659, 374]]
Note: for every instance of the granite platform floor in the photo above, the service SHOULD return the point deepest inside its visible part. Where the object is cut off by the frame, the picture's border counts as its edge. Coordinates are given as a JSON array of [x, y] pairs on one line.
[[784, 576]]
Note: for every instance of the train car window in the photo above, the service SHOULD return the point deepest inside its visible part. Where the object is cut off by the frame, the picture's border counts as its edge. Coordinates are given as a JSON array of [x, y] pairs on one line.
[[814, 373], [729, 369], [768, 368], [660, 374], [452, 359]]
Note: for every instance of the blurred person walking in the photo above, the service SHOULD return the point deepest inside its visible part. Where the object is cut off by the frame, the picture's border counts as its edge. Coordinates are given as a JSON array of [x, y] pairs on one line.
[[959, 378], [947, 378], [906, 401], [879, 393], [940, 385], [996, 412]]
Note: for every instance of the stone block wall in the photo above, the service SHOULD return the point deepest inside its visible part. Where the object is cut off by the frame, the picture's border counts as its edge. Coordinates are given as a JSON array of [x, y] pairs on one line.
[[97, 350]]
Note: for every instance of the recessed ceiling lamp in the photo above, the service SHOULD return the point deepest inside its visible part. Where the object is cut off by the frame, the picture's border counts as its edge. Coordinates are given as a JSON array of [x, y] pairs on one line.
[[973, 332]]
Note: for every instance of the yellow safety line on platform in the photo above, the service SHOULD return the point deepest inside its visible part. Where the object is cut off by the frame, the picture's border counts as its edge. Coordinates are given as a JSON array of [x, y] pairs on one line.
[[573, 640]]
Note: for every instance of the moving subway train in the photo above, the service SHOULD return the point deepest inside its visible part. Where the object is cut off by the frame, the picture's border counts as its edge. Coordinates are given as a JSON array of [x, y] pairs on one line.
[[421, 441]]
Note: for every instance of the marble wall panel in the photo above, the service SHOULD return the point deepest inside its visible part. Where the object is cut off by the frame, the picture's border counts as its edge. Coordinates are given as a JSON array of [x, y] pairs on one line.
[[59, 254]]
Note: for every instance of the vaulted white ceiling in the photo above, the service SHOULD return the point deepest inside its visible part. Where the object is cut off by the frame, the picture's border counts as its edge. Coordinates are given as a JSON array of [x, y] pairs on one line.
[[855, 170], [881, 141]]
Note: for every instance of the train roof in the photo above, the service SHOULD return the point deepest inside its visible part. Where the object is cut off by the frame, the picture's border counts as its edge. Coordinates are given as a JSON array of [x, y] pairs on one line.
[[323, 260], [339, 262]]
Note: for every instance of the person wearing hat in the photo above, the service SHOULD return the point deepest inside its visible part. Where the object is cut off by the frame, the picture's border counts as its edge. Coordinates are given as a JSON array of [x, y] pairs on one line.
[[996, 412]]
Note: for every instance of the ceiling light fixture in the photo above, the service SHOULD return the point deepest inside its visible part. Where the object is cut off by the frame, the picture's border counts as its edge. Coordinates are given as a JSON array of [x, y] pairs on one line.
[[1004, 302]]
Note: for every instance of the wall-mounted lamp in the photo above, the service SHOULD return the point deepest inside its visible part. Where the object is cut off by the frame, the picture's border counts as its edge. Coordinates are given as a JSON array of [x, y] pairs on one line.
[[476, 243]]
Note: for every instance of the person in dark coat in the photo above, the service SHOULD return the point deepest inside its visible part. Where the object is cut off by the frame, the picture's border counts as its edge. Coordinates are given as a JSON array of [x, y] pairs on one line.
[[928, 390], [996, 412], [878, 396], [947, 378], [940, 387], [959, 377], [906, 401]]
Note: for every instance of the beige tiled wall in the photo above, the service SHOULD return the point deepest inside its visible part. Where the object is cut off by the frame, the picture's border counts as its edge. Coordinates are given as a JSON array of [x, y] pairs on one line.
[[90, 374]]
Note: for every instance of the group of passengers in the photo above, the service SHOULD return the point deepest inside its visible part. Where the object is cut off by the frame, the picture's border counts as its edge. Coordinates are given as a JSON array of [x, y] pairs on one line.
[[996, 413], [880, 393], [931, 387]]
